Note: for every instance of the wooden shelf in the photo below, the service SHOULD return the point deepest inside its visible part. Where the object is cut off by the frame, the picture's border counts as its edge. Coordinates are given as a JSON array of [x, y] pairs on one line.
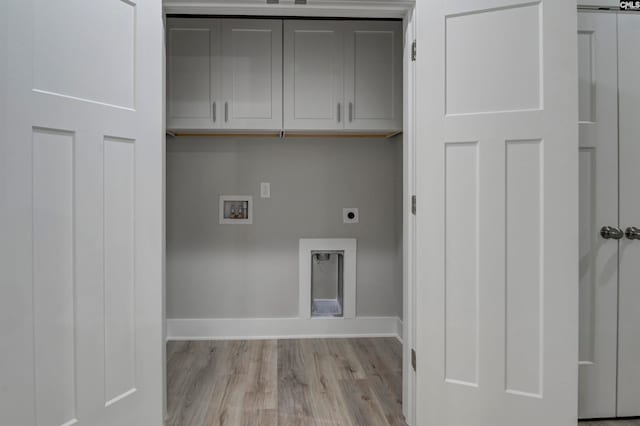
[[283, 134]]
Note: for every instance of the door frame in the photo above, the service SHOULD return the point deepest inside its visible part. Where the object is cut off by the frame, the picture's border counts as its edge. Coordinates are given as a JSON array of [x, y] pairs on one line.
[[372, 9], [409, 222], [319, 8]]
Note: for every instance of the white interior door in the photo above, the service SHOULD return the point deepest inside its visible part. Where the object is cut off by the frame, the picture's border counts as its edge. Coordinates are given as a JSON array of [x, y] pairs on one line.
[[81, 192], [598, 118], [497, 236], [313, 75], [252, 73], [629, 315]]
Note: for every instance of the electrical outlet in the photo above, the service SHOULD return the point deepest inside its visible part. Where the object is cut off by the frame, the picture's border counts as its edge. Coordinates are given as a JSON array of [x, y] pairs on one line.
[[265, 190], [350, 215]]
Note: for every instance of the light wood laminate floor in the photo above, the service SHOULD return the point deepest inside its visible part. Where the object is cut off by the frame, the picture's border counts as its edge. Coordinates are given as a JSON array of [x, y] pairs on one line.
[[285, 382], [290, 382]]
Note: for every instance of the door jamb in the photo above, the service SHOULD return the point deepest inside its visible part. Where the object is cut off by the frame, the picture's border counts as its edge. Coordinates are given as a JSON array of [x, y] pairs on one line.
[[409, 221], [408, 178]]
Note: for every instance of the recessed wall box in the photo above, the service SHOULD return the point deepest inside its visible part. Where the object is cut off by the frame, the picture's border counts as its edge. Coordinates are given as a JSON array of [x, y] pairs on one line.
[[236, 210]]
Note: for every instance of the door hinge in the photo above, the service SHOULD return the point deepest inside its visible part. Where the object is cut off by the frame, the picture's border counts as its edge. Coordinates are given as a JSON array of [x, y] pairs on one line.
[[413, 359], [413, 50], [413, 204]]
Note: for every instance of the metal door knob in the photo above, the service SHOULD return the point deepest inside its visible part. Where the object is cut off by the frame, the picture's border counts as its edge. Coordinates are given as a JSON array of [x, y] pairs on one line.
[[632, 233], [612, 233]]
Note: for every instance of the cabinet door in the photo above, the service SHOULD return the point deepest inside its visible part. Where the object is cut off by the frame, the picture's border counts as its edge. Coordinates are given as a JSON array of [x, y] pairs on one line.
[[629, 314], [373, 75], [313, 75], [252, 74], [193, 78]]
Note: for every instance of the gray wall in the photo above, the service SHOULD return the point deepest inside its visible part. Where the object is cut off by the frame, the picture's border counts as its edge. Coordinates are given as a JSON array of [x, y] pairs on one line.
[[245, 271]]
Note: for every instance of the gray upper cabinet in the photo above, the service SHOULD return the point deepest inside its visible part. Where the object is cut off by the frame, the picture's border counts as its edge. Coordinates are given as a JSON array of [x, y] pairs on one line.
[[373, 75], [224, 74], [313, 75], [343, 75], [252, 74], [193, 85], [319, 75]]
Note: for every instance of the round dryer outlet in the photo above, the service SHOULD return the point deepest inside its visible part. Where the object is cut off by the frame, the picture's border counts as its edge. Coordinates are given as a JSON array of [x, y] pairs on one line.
[[350, 215]]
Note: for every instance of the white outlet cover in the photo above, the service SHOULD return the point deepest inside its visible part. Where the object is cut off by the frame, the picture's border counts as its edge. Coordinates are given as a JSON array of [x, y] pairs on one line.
[[265, 190], [350, 215]]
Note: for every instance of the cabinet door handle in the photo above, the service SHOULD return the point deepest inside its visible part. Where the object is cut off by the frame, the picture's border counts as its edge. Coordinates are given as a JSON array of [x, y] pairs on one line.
[[350, 112], [214, 112], [339, 112], [226, 112]]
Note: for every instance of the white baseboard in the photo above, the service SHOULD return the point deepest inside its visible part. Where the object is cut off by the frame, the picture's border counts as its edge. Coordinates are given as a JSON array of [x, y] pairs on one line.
[[282, 328]]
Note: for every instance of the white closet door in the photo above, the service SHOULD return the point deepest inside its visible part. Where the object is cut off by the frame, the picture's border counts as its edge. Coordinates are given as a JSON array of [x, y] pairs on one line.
[[194, 74], [629, 325], [598, 118], [497, 232], [81, 157], [313, 75], [373, 75], [252, 74]]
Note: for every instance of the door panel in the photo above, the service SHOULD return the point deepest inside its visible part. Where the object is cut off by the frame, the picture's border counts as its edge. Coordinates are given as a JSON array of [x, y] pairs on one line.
[[81, 205], [497, 239], [111, 57], [193, 73], [524, 278], [252, 74], [119, 279], [373, 75], [53, 275], [629, 332], [598, 158], [313, 75]]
